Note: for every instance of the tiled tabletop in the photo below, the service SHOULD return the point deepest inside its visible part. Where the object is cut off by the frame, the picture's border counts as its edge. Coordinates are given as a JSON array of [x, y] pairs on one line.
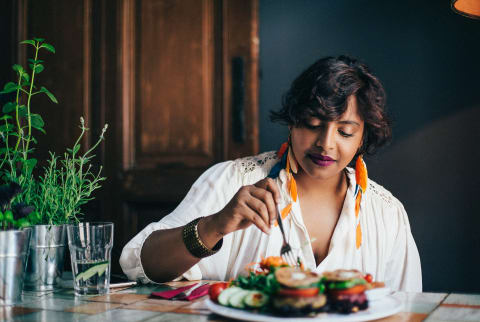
[[134, 304]]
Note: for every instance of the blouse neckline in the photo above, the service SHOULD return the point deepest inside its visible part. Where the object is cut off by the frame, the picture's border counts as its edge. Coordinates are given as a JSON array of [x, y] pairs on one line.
[[340, 232]]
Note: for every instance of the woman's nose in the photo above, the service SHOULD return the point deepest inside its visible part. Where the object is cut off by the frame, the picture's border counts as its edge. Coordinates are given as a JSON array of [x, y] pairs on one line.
[[326, 138]]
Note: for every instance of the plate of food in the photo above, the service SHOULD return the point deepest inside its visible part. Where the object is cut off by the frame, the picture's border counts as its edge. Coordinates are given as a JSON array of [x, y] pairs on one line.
[[278, 292]]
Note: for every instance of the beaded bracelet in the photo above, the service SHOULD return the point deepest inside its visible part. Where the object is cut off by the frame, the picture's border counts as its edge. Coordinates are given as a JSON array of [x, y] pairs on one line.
[[194, 244]]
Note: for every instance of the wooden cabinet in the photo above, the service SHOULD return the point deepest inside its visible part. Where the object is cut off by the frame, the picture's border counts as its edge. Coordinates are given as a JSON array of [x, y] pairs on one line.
[[177, 81]]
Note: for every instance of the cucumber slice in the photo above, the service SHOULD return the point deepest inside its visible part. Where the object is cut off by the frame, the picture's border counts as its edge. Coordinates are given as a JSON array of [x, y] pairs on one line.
[[255, 299], [97, 269], [225, 295], [236, 300]]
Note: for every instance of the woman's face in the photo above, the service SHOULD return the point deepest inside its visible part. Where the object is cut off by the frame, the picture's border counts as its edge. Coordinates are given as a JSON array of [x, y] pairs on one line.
[[324, 149]]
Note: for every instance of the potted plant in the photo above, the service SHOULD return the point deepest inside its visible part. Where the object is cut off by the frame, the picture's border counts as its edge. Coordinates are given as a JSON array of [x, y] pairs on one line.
[[14, 244], [58, 192]]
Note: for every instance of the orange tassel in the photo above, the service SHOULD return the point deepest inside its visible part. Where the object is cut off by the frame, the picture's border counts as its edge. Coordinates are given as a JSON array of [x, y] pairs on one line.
[[293, 189], [287, 167], [284, 212], [358, 239], [292, 161], [358, 199], [361, 174], [282, 150]]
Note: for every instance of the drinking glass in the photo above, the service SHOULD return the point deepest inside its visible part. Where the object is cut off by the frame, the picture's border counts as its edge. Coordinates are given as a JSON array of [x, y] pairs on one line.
[[90, 245]]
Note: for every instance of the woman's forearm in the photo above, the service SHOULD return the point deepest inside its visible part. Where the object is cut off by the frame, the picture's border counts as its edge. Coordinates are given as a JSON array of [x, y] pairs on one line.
[[164, 255]]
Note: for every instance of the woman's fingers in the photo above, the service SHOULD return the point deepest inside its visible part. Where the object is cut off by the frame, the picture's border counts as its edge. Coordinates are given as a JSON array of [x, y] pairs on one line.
[[258, 214], [270, 186], [267, 198]]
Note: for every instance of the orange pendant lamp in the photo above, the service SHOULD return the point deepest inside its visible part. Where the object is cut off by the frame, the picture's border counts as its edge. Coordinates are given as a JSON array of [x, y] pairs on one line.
[[467, 8]]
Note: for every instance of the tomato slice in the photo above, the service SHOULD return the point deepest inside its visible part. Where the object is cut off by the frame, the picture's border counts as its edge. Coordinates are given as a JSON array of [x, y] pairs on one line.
[[298, 292], [369, 278], [215, 290], [357, 289]]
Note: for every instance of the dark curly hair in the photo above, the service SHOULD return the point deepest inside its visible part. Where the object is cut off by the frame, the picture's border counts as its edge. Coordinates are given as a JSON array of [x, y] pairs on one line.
[[323, 90]]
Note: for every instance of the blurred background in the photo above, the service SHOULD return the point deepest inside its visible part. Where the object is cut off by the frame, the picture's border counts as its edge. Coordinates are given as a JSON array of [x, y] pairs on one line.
[[185, 84]]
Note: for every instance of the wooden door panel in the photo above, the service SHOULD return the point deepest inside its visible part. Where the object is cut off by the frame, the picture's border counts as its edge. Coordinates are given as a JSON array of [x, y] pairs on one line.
[[174, 83]]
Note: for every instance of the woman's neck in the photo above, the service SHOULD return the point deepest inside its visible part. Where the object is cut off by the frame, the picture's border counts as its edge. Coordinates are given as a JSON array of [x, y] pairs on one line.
[[307, 186]]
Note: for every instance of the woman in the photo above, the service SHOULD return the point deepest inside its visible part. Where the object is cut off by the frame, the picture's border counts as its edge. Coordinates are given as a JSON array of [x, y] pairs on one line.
[[334, 216]]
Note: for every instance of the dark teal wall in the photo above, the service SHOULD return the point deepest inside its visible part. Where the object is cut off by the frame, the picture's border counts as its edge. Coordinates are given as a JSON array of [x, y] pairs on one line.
[[428, 59]]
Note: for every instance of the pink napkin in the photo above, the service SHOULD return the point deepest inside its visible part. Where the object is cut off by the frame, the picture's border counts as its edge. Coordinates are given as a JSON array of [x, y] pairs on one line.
[[199, 292]]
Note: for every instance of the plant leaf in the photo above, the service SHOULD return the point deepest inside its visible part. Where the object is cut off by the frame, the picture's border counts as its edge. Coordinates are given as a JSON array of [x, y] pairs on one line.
[[30, 42], [6, 128], [49, 94], [9, 107], [76, 148], [23, 222], [8, 215], [37, 121], [33, 61], [9, 87], [18, 68], [29, 165], [26, 77], [38, 39], [39, 68], [5, 117], [41, 130], [48, 47]]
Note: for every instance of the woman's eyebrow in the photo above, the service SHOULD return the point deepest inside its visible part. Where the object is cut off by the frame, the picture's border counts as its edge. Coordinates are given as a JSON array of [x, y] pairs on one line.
[[348, 122]]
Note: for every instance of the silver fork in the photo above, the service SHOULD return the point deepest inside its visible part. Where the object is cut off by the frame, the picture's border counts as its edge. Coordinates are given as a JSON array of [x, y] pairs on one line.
[[286, 251]]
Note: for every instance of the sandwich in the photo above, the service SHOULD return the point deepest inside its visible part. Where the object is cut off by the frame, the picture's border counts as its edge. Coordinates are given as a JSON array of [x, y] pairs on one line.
[[299, 292], [345, 291]]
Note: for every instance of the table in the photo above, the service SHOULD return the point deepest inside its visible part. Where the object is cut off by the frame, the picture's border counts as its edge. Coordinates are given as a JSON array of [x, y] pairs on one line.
[[133, 304]]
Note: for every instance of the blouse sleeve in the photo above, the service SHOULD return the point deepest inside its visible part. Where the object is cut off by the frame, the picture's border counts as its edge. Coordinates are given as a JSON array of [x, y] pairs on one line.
[[403, 270], [209, 194]]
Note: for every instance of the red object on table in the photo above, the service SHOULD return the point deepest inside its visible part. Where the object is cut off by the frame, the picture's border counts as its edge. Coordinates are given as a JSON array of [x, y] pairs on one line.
[[199, 292]]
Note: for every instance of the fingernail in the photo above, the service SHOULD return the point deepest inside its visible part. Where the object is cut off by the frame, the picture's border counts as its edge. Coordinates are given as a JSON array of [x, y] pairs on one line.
[[268, 231], [278, 200]]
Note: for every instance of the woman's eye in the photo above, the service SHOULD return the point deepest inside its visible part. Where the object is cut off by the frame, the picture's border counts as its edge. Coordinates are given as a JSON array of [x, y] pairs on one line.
[[345, 134]]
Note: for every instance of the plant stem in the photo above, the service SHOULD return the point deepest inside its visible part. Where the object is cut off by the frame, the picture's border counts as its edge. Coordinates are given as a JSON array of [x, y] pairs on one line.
[[30, 96], [16, 111]]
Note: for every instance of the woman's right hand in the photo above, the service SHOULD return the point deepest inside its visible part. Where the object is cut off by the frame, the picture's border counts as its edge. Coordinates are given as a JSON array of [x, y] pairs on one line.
[[254, 204]]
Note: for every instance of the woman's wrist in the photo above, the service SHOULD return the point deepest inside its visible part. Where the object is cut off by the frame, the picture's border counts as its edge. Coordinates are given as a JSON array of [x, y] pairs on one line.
[[208, 231]]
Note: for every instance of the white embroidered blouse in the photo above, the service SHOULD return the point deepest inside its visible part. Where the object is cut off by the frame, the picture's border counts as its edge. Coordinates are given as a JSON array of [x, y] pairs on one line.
[[388, 250]]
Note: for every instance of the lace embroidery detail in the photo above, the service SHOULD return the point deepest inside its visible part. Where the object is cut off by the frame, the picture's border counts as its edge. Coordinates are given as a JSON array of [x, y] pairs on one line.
[[381, 192], [249, 164]]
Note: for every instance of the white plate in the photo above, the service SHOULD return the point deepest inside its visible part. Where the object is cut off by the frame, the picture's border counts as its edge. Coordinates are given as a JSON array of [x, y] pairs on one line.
[[377, 309], [376, 294]]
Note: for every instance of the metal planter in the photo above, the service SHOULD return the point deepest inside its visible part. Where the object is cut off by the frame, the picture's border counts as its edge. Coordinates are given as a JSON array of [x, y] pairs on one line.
[[46, 257], [14, 245]]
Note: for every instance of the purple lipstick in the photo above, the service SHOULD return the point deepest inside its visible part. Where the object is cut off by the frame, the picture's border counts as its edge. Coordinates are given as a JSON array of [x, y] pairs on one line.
[[321, 160]]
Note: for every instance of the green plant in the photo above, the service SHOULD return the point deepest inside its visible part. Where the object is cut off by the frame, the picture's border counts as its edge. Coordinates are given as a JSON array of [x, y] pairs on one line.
[[17, 122], [66, 183]]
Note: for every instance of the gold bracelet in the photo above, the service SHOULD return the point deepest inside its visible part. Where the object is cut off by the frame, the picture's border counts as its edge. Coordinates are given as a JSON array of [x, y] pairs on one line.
[[194, 244]]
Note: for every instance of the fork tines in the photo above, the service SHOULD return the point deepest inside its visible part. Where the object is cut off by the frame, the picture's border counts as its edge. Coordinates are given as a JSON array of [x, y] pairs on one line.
[[287, 254]]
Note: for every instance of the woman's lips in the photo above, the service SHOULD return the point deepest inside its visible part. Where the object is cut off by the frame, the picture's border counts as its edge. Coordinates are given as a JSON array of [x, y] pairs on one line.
[[321, 160]]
